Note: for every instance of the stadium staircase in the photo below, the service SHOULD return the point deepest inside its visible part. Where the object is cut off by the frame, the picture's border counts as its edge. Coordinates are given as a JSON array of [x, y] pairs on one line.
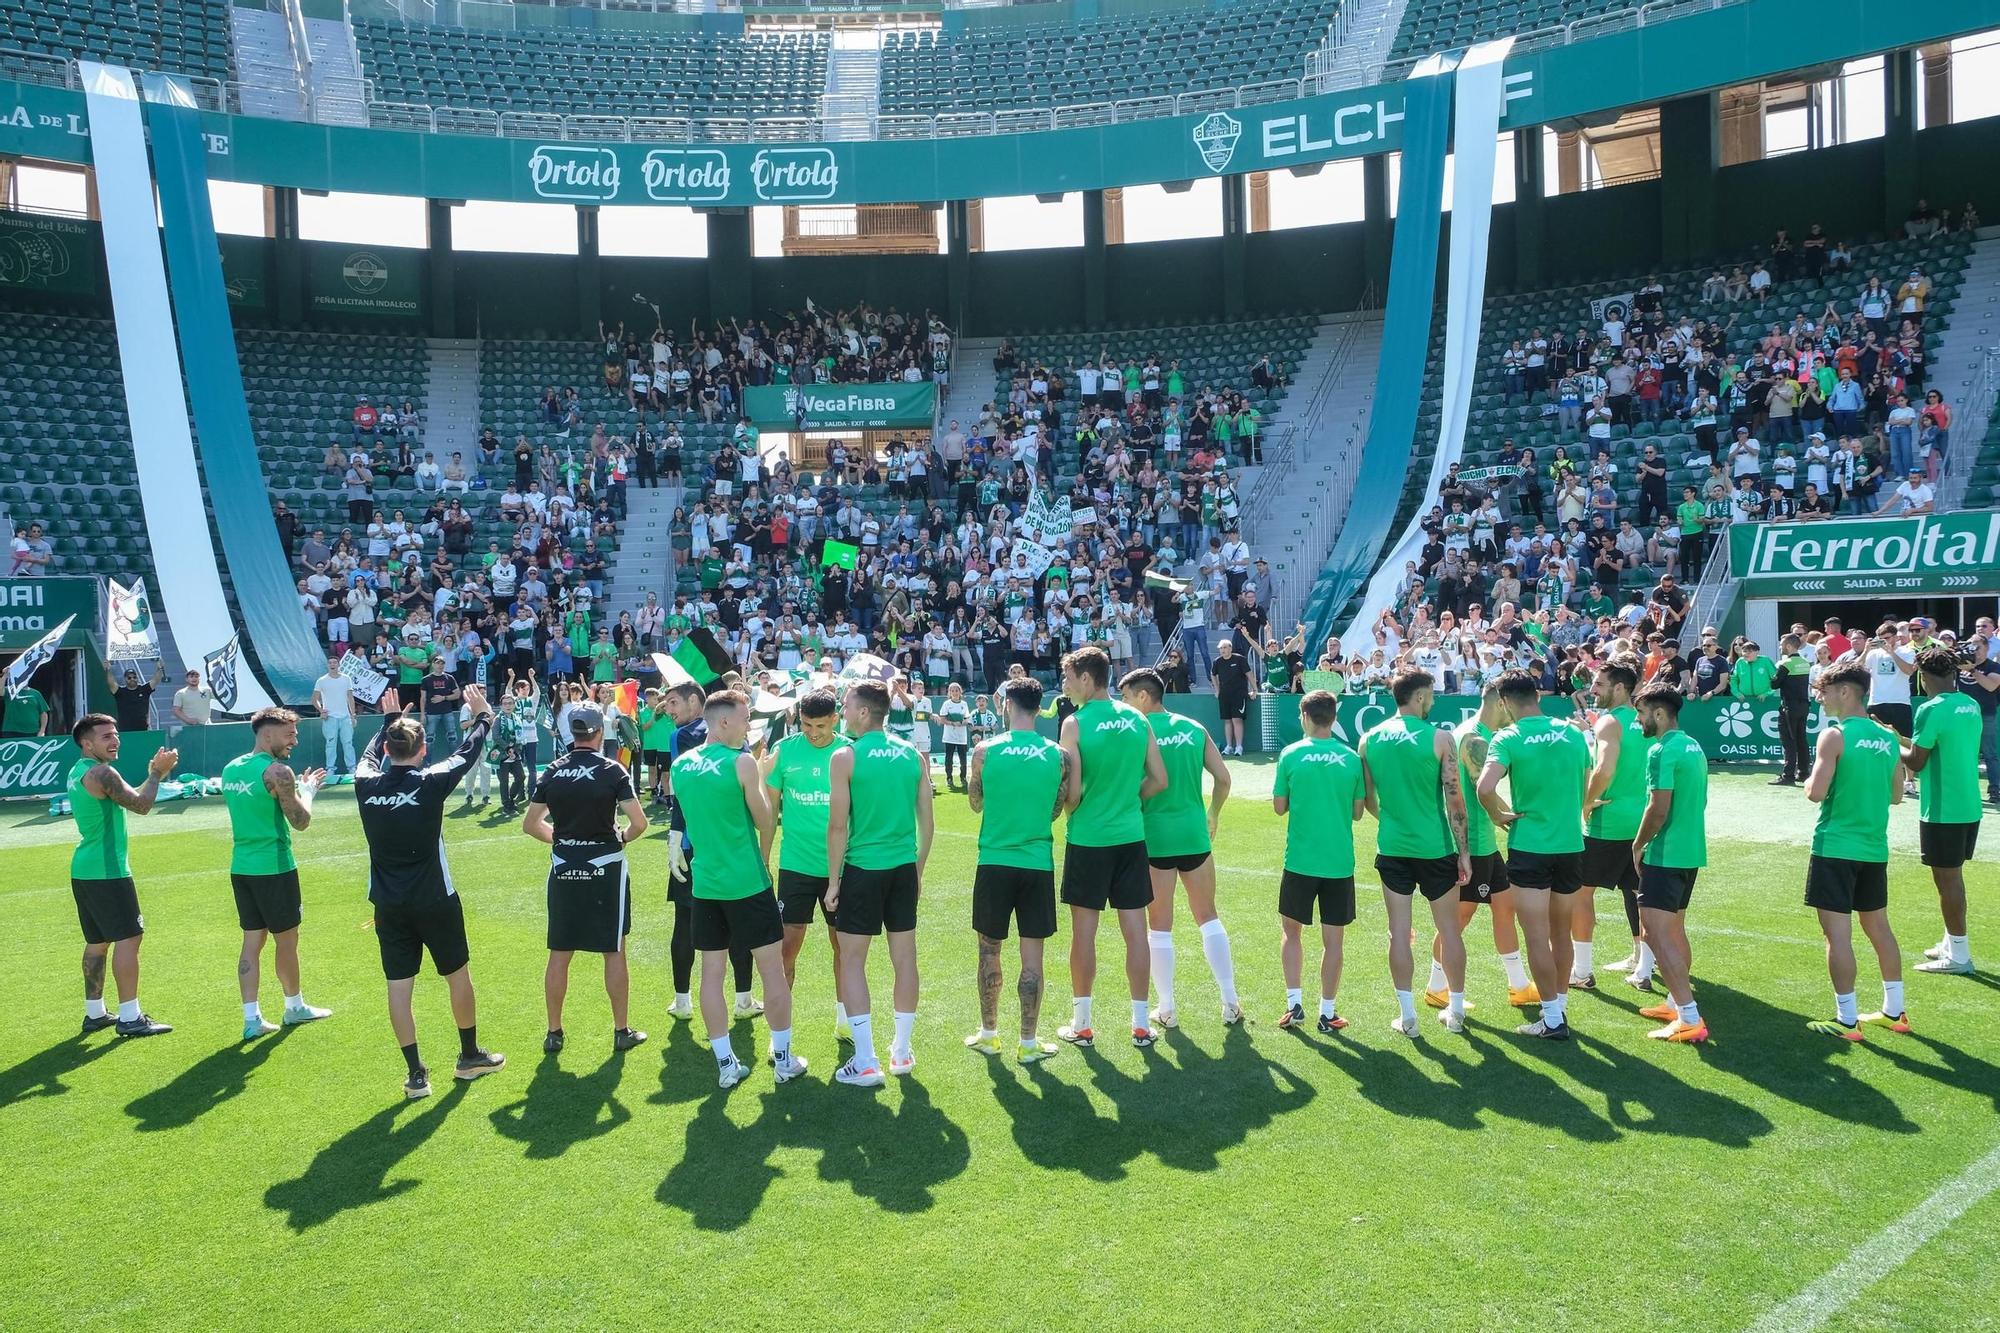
[[339, 88], [269, 77], [972, 385], [452, 404], [853, 93], [1359, 44], [1439, 25], [1964, 371], [644, 559]]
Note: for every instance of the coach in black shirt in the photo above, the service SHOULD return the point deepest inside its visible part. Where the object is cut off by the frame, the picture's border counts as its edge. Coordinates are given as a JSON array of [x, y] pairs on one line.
[[575, 810]]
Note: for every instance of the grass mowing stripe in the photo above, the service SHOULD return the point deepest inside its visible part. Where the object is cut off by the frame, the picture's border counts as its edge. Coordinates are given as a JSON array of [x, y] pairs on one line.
[[1882, 1254]]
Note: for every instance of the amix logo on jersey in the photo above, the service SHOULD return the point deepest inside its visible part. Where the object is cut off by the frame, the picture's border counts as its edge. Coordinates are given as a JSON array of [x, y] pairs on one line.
[[1543, 738], [396, 800], [1874, 745], [578, 772], [239, 788], [1039, 753], [706, 764], [1323, 757], [1182, 739], [1116, 724]]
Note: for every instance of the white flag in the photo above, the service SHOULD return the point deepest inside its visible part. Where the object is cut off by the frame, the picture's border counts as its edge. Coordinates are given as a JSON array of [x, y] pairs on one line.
[[367, 681], [132, 634], [220, 667], [39, 655]]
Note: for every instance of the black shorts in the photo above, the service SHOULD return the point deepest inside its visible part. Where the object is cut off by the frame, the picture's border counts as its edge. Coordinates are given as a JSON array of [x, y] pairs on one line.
[[1559, 871], [1231, 706], [797, 895], [680, 889], [1434, 875], [590, 906], [1489, 878], [404, 932], [1299, 894], [872, 901], [1098, 877], [1896, 717], [1027, 898], [1947, 846], [268, 902], [1607, 864], [107, 909], [1180, 865], [1666, 888], [655, 758], [1837, 885], [737, 925]]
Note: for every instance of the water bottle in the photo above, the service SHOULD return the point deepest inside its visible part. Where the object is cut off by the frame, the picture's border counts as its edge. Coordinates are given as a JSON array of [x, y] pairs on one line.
[[58, 805]]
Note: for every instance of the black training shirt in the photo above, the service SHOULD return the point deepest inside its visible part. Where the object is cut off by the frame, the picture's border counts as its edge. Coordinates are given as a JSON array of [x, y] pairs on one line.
[[402, 816], [583, 790]]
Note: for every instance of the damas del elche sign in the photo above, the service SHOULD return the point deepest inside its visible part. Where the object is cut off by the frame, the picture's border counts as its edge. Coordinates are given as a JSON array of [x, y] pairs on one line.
[[579, 175], [1930, 553]]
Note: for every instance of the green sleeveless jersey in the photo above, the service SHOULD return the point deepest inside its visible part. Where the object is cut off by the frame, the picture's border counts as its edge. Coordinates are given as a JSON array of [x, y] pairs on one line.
[[882, 803], [100, 830], [1854, 817], [1401, 757], [1548, 768], [1020, 778], [1625, 799], [1321, 778], [726, 864], [263, 840], [1176, 823], [1111, 738], [1478, 828], [799, 779]]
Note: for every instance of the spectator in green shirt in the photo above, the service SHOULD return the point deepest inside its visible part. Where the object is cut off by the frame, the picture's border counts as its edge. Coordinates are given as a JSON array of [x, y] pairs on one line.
[[413, 663], [603, 657], [1752, 675], [1690, 515], [1596, 604], [24, 714]]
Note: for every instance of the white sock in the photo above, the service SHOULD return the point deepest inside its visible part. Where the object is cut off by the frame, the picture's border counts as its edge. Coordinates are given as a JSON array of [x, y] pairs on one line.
[[1160, 943], [1959, 947], [128, 1011], [839, 1012], [1552, 1010], [1138, 1013], [985, 1033], [905, 1024], [1843, 1008], [1580, 967], [781, 1042], [724, 1052], [1294, 995], [94, 1008], [682, 999], [864, 1040], [251, 1009], [1892, 998], [1644, 969], [1457, 1004], [742, 998], [1079, 1012], [1437, 981], [1326, 1006], [1215, 944], [1690, 1015], [1408, 1002], [294, 1002], [1517, 971]]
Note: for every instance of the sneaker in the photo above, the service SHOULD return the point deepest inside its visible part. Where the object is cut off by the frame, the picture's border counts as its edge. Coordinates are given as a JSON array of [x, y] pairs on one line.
[[1452, 1022], [553, 1042], [418, 1085], [1144, 1037], [1523, 996], [624, 1039], [1034, 1052], [1294, 1017], [788, 1066], [1436, 999], [1833, 1027], [984, 1044], [99, 1023], [1331, 1023], [681, 1010], [1540, 1029], [1678, 1031], [477, 1065], [1947, 967], [1407, 1029], [1076, 1036], [305, 1013], [259, 1026], [1893, 1022], [1663, 1013], [1781, 782], [143, 1026], [1639, 983], [1629, 963], [902, 1064], [729, 1075], [1165, 1018], [1588, 981], [1232, 1014], [1942, 949], [854, 1074], [748, 1007]]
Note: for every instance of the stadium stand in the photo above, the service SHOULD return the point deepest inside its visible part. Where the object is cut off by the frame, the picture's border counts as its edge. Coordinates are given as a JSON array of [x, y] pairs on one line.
[[667, 73], [149, 34], [1440, 25]]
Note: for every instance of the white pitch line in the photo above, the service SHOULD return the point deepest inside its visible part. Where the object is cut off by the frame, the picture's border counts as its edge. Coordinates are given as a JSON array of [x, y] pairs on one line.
[[1883, 1254]]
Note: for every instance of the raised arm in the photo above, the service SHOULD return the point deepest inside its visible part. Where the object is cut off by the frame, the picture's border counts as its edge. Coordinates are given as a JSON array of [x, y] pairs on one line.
[[294, 792], [105, 782]]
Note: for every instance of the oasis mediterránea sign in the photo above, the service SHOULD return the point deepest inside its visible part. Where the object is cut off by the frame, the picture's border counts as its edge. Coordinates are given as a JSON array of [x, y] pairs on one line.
[[1927, 553]]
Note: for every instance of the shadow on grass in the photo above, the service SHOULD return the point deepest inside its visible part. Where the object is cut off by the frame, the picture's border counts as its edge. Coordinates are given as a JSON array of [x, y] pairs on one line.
[[353, 1171], [894, 1154], [41, 1074], [1769, 1048], [687, 1070], [204, 1085], [560, 1109]]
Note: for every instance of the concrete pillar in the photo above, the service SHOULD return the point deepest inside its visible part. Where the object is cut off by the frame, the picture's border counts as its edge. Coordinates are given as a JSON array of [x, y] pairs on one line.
[[443, 270], [1094, 279], [975, 225], [1530, 208], [1114, 215], [1235, 245], [1937, 83], [1740, 111], [1260, 201], [589, 269], [1569, 162], [1690, 153], [958, 215], [1375, 228], [1899, 139], [287, 271], [729, 249]]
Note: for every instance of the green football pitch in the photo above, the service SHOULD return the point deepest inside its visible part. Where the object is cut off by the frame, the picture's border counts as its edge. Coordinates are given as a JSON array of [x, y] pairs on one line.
[[1239, 1178]]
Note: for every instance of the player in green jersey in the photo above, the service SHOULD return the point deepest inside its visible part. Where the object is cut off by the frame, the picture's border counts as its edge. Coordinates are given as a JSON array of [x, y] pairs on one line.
[[1855, 779], [266, 801], [1319, 791], [1668, 850], [656, 738], [878, 836], [100, 876], [1546, 765], [1118, 766], [1411, 768], [797, 770], [721, 796], [1179, 839], [1488, 884], [1613, 805], [1944, 754], [1016, 784]]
